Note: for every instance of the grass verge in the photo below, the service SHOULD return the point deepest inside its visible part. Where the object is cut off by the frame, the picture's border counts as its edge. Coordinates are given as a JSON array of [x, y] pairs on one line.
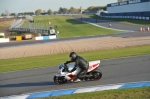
[[69, 27], [130, 21], [131, 93], [7, 65]]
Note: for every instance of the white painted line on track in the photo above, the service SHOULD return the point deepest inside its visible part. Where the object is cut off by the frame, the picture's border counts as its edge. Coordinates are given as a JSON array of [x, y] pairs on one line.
[[105, 27]]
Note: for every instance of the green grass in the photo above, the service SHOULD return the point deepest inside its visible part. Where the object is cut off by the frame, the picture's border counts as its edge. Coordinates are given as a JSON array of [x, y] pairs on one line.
[[130, 21], [131, 93], [53, 60], [69, 27]]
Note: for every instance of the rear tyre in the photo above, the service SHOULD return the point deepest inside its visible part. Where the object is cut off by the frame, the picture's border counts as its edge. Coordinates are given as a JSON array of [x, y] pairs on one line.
[[60, 80], [96, 75]]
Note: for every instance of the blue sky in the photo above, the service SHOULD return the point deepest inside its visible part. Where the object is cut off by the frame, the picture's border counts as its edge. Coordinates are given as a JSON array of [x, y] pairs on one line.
[[15, 6]]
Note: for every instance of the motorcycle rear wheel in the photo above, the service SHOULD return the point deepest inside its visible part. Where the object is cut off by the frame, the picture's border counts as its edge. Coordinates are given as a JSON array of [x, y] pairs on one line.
[[96, 75], [59, 80]]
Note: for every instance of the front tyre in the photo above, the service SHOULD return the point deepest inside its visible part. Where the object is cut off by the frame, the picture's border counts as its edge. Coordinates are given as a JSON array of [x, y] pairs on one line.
[[59, 80]]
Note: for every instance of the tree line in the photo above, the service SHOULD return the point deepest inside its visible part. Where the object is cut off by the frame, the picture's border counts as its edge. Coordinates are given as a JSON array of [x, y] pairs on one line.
[[14, 14], [72, 10], [61, 10]]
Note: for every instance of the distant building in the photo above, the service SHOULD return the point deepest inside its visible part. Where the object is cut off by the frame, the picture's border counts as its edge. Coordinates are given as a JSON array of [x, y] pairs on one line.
[[81, 10], [129, 9], [122, 0], [129, 6], [100, 11]]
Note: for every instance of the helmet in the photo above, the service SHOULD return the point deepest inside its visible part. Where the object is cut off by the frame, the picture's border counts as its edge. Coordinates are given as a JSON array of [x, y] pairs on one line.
[[73, 56]]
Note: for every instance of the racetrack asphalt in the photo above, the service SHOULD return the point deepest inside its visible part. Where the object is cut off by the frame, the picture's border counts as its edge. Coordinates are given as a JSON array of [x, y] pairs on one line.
[[121, 70], [114, 24]]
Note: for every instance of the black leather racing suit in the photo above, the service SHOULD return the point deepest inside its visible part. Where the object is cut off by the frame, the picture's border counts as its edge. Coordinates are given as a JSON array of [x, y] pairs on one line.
[[81, 63]]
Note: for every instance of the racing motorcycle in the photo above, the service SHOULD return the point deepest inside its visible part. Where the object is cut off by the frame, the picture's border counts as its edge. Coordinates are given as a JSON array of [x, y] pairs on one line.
[[63, 76]]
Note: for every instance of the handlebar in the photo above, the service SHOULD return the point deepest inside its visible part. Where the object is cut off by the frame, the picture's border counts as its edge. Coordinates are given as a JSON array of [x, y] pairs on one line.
[[66, 67]]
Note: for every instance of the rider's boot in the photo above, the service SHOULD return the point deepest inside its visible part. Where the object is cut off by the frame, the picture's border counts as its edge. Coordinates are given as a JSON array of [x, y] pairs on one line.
[[77, 80]]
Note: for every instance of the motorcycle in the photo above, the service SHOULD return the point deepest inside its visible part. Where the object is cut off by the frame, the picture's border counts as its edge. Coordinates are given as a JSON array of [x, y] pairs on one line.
[[63, 76]]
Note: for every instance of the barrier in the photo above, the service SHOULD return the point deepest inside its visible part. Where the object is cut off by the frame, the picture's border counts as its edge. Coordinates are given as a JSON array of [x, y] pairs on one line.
[[27, 36], [2, 40], [148, 29], [53, 37], [46, 37], [144, 29], [141, 29], [39, 38], [18, 38], [129, 17]]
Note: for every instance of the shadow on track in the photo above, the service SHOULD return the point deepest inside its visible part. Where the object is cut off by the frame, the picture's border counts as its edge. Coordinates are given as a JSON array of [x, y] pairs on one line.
[[27, 84], [74, 22]]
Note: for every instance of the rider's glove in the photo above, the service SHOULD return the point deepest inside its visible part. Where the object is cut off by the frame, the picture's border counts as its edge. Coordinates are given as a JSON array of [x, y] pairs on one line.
[[66, 67], [66, 62]]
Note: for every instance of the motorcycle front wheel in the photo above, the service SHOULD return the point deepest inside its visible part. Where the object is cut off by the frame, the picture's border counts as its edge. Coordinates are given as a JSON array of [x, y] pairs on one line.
[[59, 80]]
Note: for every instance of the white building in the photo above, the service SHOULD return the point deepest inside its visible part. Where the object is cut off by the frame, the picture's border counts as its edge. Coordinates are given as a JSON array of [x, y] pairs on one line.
[[129, 6], [135, 8]]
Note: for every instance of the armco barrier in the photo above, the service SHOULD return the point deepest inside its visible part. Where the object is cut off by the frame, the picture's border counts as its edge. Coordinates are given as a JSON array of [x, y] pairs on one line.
[[39, 38], [78, 90], [2, 40], [46, 37], [129, 17]]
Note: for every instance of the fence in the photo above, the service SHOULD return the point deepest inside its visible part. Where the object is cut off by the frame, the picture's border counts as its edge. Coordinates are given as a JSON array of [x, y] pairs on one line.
[[131, 15], [128, 17], [33, 27]]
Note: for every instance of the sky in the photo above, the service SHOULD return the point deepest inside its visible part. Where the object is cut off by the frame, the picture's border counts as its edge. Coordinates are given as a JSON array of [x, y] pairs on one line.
[[16, 6]]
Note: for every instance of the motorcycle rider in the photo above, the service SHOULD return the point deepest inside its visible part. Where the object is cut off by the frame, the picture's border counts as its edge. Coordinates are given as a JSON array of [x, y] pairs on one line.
[[79, 63]]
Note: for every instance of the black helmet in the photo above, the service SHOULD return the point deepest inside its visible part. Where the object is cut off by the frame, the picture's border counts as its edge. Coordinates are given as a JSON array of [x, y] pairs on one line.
[[73, 56]]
